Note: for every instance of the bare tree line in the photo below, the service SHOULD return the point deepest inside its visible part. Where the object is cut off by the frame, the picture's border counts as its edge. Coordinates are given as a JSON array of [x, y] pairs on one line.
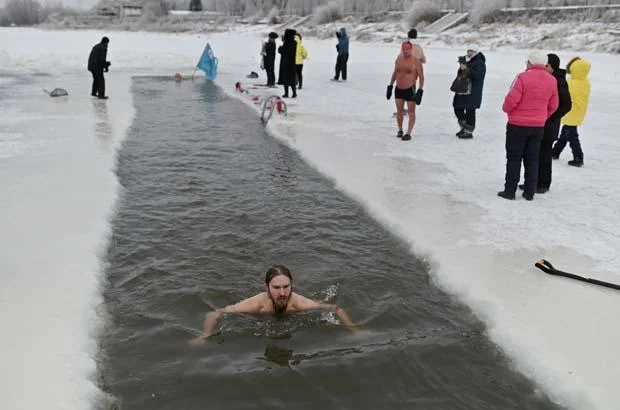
[[307, 7], [31, 12]]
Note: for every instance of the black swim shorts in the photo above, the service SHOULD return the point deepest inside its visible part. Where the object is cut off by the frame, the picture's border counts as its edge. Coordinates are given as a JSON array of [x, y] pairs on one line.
[[407, 94]]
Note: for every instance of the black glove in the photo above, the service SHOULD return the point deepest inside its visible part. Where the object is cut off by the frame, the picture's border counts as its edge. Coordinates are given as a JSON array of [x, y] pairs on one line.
[[418, 96], [388, 94], [107, 66]]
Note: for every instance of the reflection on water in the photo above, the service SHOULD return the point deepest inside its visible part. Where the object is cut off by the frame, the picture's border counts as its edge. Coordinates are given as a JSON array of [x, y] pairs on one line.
[[285, 358], [279, 355], [103, 126]]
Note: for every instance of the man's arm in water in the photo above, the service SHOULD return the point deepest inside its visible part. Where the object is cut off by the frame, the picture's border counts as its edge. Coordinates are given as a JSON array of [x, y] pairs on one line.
[[305, 304], [249, 306]]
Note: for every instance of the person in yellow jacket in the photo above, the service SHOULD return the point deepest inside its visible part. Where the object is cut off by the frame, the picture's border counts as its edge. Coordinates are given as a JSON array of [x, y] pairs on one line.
[[301, 55], [579, 88]]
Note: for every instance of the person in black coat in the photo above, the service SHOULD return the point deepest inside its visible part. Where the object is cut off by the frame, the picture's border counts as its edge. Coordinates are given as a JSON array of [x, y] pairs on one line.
[[269, 59], [288, 50], [97, 64], [552, 126], [466, 104]]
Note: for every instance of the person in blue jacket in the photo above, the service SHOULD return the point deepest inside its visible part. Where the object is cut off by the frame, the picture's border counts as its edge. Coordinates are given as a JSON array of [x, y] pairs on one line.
[[343, 54]]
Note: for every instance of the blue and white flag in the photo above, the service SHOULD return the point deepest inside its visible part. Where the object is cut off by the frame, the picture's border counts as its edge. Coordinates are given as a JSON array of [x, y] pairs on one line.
[[208, 62]]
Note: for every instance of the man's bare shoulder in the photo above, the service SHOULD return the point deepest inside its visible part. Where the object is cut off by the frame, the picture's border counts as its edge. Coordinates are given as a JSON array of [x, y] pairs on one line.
[[300, 303], [294, 301], [252, 305]]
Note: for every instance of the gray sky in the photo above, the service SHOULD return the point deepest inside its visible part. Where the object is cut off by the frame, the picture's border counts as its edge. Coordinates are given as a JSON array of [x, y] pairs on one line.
[[78, 4]]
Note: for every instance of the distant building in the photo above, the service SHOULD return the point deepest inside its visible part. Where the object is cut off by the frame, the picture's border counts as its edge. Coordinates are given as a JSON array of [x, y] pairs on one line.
[[107, 11], [130, 10]]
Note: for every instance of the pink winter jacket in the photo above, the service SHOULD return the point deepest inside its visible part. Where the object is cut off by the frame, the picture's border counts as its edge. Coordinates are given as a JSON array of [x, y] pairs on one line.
[[532, 98]]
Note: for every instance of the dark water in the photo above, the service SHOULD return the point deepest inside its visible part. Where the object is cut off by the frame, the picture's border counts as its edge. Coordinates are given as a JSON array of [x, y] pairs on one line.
[[210, 201]]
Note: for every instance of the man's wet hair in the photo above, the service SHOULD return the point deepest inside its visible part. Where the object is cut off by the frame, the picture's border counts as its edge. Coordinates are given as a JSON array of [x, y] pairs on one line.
[[413, 33], [277, 270]]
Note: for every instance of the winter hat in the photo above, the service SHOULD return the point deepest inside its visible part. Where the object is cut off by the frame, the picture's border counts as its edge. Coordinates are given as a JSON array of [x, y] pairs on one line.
[[473, 47], [554, 61], [570, 63], [105, 40], [413, 33], [273, 35], [537, 57]]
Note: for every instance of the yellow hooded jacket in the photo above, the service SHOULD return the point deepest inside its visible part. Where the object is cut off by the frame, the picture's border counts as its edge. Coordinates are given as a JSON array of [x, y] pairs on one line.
[[302, 53], [579, 88]]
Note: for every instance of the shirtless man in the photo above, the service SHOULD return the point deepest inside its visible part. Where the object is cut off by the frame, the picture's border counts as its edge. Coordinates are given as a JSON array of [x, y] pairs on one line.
[[278, 299], [407, 71]]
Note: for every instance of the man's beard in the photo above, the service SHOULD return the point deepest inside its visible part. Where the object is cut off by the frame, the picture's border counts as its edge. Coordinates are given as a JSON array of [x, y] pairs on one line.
[[280, 305]]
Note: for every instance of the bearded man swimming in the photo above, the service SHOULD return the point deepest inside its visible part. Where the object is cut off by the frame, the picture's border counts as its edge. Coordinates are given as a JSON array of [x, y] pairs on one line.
[[278, 299]]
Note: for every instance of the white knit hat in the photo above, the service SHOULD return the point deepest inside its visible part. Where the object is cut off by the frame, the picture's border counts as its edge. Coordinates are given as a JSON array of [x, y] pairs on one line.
[[537, 57], [473, 47]]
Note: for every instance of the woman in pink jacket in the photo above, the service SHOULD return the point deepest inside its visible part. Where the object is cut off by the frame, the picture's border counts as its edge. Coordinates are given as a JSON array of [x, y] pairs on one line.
[[532, 98]]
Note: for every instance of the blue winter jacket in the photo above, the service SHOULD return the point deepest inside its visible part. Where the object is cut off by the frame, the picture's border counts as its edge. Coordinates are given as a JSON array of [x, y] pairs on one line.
[[343, 42]]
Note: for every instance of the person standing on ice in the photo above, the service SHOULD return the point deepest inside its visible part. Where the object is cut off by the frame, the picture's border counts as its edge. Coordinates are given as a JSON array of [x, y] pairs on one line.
[[417, 50], [532, 98], [300, 56], [466, 104], [407, 72], [343, 54], [287, 73], [552, 126], [269, 59], [97, 65], [579, 88]]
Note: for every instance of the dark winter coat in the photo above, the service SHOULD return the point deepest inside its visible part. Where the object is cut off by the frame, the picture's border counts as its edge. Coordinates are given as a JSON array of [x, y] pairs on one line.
[[343, 42], [563, 94], [288, 50], [477, 70], [97, 58], [269, 60], [552, 126]]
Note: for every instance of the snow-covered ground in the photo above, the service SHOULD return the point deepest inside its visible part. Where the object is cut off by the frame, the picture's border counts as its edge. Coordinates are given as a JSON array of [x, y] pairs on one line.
[[438, 193]]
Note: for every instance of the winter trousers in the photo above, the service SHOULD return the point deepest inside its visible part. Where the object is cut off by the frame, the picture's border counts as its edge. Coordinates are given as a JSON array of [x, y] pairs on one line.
[[522, 145], [98, 88], [569, 135], [286, 91], [341, 66], [466, 116], [271, 74], [545, 155], [298, 70]]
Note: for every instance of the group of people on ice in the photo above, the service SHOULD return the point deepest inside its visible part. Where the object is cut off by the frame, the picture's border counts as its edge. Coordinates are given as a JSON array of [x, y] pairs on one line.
[[540, 101], [292, 55]]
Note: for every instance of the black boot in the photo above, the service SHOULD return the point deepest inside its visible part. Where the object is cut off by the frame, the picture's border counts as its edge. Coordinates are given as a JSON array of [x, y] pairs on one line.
[[576, 162], [506, 195], [528, 196], [467, 132]]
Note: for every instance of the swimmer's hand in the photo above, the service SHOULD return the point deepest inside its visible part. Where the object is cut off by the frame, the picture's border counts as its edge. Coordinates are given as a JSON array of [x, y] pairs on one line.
[[361, 332], [198, 341]]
